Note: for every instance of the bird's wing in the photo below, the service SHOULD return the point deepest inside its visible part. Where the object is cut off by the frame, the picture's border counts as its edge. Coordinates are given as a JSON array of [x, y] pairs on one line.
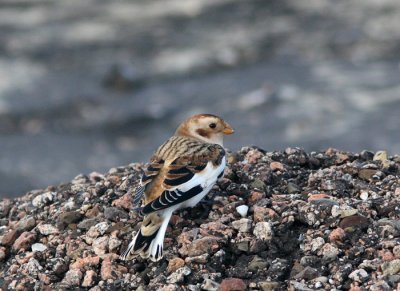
[[187, 176], [150, 171]]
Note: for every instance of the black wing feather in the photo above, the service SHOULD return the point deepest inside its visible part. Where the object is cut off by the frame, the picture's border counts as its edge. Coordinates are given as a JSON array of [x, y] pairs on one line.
[[175, 196]]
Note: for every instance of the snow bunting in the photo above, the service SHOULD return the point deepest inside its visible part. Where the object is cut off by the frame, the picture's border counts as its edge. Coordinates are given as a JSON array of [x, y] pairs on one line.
[[180, 173]]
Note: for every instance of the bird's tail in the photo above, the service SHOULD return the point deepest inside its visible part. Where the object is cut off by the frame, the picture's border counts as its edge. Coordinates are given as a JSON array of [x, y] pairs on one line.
[[149, 241]]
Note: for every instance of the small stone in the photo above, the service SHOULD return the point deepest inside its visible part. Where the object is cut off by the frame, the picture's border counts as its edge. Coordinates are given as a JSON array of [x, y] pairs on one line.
[[396, 251], [90, 278], [233, 284], [259, 213], [253, 156], [391, 268], [348, 212], [24, 241], [293, 188], [263, 230], [33, 267], [174, 264], [38, 247], [268, 286], [203, 245], [318, 196], [243, 225], [316, 243], [257, 264], [87, 223], [364, 195], [25, 224], [329, 252], [356, 221], [72, 278], [115, 214], [366, 174], [242, 210], [113, 244], [321, 279], [9, 238], [210, 285], [81, 263], [93, 212], [69, 217], [359, 275], [258, 184], [43, 199], [100, 245], [337, 235], [47, 229], [5, 206], [125, 202], [44, 278], [380, 156], [111, 271], [255, 196], [276, 166], [308, 273], [179, 275], [3, 253], [202, 259]]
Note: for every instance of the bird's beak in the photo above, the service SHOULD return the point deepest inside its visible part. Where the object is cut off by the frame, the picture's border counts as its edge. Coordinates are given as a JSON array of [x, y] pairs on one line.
[[228, 129]]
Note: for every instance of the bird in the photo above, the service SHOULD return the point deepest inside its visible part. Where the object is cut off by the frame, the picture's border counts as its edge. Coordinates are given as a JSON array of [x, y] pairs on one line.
[[180, 173]]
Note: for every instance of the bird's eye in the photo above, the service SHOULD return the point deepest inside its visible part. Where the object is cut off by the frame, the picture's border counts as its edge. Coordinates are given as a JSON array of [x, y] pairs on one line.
[[212, 125]]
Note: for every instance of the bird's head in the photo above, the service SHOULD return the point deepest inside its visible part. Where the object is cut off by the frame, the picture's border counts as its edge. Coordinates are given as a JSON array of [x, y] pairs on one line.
[[205, 127]]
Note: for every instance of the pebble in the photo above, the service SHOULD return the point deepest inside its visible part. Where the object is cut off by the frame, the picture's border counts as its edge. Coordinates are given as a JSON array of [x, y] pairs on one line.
[[100, 245], [329, 252], [359, 275], [242, 225], [391, 268], [242, 210], [110, 270], [179, 275], [69, 217], [210, 285], [354, 221], [268, 285], [25, 224], [38, 247], [337, 235], [90, 278], [81, 263], [43, 199], [257, 263], [276, 166], [9, 238], [174, 264], [24, 241], [47, 229], [263, 230], [115, 214], [72, 278], [203, 245], [233, 284], [3, 253]]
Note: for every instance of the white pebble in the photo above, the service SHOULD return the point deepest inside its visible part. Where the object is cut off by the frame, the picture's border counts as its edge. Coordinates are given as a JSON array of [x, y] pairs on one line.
[[242, 210], [38, 247], [364, 195]]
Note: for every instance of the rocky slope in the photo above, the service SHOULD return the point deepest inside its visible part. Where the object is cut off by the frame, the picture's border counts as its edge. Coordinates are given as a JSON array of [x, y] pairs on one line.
[[281, 220]]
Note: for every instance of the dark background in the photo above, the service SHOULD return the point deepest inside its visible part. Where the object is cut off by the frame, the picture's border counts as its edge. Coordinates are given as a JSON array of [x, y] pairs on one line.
[[89, 85]]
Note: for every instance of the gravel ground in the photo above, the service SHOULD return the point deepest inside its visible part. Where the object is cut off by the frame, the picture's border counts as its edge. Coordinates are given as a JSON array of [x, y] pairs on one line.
[[281, 220]]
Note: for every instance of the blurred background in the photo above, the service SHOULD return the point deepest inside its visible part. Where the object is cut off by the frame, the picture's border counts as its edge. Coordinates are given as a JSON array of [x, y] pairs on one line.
[[90, 85]]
